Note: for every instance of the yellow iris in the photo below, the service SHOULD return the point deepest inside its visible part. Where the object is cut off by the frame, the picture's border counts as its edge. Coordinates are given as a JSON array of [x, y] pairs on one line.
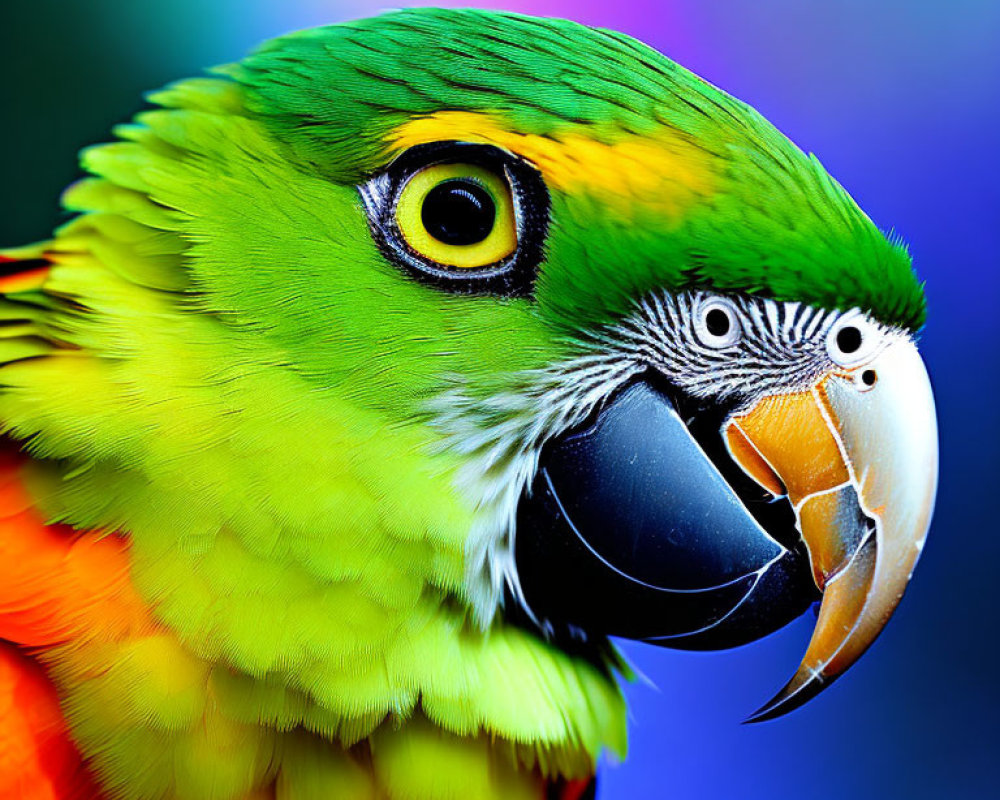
[[498, 241]]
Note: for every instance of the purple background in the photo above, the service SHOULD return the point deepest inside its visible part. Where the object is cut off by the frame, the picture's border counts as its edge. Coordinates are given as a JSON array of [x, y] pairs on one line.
[[901, 101]]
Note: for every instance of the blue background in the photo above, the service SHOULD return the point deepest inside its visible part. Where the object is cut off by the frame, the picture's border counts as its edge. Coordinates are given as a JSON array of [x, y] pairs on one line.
[[901, 101]]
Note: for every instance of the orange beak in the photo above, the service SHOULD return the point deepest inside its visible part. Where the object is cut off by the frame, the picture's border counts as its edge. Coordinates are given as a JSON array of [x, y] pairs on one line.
[[856, 455]]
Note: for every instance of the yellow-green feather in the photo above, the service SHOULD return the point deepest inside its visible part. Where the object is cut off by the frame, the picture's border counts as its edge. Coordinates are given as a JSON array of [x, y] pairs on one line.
[[295, 530], [222, 365]]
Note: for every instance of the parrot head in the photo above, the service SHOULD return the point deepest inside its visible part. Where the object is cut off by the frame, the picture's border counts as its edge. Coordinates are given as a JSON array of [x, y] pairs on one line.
[[665, 362]]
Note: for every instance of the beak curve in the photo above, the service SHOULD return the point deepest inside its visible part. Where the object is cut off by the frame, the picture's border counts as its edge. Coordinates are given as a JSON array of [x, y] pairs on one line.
[[857, 457]]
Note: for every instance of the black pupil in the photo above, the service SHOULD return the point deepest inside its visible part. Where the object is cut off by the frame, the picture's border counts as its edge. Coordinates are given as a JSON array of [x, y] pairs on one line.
[[849, 339], [458, 212], [717, 322]]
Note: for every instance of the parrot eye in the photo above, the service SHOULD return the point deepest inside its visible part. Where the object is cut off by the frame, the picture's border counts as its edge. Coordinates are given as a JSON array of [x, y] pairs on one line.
[[717, 323], [466, 217], [460, 216], [852, 340]]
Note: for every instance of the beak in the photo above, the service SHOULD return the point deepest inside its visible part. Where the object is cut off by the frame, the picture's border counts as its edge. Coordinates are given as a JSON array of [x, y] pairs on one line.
[[704, 528], [856, 455]]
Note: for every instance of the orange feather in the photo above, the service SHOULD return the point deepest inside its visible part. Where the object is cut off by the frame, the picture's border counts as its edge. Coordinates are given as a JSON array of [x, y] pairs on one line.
[[37, 759], [57, 586]]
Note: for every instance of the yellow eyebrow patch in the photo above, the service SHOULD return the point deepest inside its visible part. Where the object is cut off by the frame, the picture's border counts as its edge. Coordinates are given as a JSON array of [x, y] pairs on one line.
[[662, 171]]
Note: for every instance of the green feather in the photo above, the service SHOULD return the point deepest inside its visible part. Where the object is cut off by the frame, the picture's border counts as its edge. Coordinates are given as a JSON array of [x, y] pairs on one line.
[[777, 224], [223, 366]]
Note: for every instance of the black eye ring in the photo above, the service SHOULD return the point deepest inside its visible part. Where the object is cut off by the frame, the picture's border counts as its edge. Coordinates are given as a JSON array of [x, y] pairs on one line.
[[511, 276]]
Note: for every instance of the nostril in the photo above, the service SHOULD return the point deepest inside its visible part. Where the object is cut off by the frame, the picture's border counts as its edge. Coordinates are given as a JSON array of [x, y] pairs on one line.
[[868, 377]]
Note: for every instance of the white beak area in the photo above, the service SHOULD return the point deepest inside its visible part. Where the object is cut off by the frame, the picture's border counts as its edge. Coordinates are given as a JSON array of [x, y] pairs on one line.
[[858, 453]]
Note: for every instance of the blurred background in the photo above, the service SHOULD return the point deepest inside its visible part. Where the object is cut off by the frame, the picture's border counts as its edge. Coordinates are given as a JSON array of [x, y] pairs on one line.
[[900, 99]]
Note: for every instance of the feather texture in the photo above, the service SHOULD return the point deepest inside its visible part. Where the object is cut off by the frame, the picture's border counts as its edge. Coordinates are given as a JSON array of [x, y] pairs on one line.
[[276, 563], [237, 534]]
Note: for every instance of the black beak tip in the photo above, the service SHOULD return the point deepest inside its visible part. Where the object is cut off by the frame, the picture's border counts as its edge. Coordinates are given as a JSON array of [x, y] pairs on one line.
[[787, 700]]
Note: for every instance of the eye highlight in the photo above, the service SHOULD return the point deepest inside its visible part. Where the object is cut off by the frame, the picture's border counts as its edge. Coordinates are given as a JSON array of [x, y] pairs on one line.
[[458, 215], [464, 217], [460, 212]]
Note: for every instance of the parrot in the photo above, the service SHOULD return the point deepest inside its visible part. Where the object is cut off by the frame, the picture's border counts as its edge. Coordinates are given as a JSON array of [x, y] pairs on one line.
[[381, 378]]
